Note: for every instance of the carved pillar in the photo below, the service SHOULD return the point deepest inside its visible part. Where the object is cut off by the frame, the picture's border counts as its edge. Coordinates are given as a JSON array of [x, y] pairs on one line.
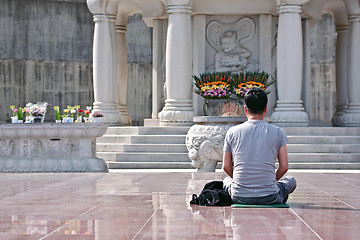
[[104, 69], [352, 115], [341, 74], [289, 109], [125, 119], [178, 108]]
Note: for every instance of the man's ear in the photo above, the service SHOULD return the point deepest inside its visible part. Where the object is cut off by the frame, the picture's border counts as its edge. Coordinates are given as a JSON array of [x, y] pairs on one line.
[[265, 109], [245, 109]]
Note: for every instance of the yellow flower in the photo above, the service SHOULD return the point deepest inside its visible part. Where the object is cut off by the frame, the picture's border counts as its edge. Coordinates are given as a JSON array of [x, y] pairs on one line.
[[12, 107], [66, 110], [56, 108]]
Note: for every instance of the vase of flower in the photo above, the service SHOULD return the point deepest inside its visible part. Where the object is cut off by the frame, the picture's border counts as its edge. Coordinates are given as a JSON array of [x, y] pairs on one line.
[[14, 119], [213, 107], [79, 119], [97, 116], [37, 120]]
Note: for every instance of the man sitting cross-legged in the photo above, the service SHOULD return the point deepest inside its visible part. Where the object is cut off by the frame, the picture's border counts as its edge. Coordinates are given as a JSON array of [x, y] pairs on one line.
[[250, 152]]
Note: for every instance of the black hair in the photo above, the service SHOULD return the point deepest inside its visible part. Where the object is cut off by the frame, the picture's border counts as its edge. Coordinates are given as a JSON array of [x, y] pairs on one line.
[[255, 100]]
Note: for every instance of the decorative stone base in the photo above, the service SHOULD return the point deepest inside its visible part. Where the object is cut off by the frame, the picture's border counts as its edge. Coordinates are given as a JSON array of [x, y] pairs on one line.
[[289, 114], [205, 141], [176, 118], [56, 164], [51, 147], [349, 119]]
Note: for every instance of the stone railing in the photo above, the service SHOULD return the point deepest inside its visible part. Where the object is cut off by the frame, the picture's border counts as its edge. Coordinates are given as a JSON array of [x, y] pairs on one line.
[[205, 140], [51, 147]]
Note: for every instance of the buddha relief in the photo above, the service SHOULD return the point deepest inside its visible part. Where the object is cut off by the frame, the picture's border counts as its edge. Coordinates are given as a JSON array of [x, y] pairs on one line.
[[228, 40]]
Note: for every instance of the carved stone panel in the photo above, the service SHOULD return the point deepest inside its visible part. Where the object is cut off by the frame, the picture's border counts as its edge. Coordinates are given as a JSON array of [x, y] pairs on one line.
[[232, 45]]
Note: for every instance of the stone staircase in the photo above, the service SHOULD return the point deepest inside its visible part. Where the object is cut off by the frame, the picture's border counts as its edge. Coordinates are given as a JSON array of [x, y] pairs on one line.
[[144, 147], [164, 148]]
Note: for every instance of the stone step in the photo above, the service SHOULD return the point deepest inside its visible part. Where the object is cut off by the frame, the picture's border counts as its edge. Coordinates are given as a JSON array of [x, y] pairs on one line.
[[323, 139], [144, 157], [184, 165], [147, 130], [146, 139], [124, 147], [332, 165], [322, 131], [149, 165], [323, 148], [324, 157]]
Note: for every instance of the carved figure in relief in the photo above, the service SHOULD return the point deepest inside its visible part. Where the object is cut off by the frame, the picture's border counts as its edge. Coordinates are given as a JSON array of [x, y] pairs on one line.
[[6, 147], [228, 40]]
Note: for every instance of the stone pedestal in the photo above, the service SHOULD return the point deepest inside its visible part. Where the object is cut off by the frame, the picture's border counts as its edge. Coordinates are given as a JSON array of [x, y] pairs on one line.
[[178, 108], [51, 147], [205, 140], [289, 109]]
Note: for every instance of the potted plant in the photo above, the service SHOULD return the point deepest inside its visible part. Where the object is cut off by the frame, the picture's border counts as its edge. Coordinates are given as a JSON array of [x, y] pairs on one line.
[[57, 114], [66, 116], [37, 111], [97, 116], [20, 115], [215, 88], [87, 115], [14, 118], [243, 81], [79, 115]]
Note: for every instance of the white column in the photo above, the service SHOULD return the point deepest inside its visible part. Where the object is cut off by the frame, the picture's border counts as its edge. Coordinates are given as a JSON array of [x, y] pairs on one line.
[[352, 115], [157, 81], [199, 54], [125, 118], [289, 109], [178, 108], [265, 47], [341, 74], [104, 68]]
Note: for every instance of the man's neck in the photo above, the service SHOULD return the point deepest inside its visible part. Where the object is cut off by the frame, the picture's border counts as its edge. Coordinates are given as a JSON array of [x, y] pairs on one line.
[[255, 118]]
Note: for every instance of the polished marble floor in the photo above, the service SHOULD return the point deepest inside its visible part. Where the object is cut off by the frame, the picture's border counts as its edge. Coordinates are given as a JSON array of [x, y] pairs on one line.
[[155, 205]]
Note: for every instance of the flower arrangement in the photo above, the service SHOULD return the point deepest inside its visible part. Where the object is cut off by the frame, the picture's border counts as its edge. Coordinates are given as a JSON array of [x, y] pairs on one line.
[[97, 114], [213, 85], [243, 81], [14, 110], [86, 113], [38, 109], [221, 85], [17, 114]]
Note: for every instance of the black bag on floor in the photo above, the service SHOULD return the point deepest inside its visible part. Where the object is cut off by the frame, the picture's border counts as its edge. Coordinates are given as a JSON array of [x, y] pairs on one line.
[[213, 194]]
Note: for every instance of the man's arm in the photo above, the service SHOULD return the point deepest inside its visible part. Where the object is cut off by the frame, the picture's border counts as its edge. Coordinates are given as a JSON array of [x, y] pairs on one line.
[[227, 164], [283, 162]]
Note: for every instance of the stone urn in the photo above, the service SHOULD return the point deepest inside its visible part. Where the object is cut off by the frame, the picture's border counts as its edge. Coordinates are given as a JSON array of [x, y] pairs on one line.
[[205, 140]]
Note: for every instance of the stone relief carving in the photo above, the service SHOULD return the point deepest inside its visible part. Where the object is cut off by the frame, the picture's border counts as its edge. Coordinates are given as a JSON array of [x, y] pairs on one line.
[[228, 40], [60, 148], [6, 147]]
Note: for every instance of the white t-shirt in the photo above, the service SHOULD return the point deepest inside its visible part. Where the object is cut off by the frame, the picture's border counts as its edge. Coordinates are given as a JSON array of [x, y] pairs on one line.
[[254, 146]]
